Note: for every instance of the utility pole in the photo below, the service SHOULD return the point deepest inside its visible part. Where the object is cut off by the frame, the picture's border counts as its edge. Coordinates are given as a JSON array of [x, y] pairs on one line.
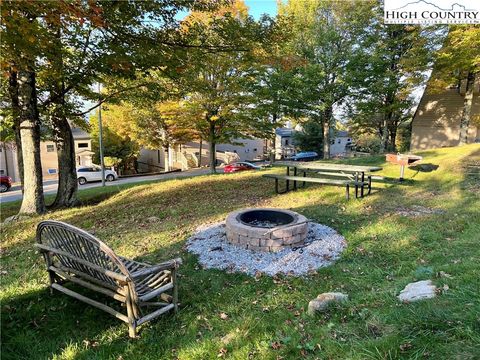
[[100, 135]]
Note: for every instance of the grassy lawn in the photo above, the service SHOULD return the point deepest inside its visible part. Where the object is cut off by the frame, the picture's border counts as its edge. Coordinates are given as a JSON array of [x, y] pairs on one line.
[[267, 316]]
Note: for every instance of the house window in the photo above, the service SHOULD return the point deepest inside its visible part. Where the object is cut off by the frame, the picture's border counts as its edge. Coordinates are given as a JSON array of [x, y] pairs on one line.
[[255, 149], [2, 172], [158, 156], [286, 142], [339, 141], [332, 142], [50, 148], [52, 171], [83, 145], [349, 139]]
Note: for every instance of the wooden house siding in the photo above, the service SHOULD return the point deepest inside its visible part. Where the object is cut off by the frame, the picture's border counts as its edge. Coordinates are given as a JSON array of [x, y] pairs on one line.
[[437, 121]]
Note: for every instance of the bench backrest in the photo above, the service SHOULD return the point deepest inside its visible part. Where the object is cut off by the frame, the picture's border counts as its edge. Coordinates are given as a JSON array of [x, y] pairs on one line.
[[80, 252]]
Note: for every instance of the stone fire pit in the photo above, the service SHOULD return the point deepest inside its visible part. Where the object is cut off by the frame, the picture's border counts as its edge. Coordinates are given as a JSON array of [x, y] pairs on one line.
[[266, 229]]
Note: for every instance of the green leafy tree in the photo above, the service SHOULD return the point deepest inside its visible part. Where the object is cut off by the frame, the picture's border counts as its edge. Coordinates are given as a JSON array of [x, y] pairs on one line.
[[216, 86], [328, 37], [58, 49], [399, 57], [310, 138]]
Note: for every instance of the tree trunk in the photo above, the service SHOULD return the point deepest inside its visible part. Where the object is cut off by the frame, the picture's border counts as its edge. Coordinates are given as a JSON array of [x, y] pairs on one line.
[[200, 153], [273, 154], [467, 110], [5, 158], [67, 174], [384, 140], [166, 150], [13, 90], [212, 142], [393, 137], [326, 131], [33, 201]]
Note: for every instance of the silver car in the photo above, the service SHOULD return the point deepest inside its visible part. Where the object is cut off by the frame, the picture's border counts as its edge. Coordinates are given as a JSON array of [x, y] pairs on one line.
[[94, 173]]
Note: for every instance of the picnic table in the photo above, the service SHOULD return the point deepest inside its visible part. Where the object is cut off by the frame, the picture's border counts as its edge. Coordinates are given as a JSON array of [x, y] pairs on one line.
[[330, 174]]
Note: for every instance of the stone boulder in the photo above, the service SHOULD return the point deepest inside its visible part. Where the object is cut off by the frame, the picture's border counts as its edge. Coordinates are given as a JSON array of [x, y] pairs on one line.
[[418, 291], [323, 301]]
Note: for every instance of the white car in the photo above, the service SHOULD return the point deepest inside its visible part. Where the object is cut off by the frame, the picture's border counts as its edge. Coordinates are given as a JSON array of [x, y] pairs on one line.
[[94, 173]]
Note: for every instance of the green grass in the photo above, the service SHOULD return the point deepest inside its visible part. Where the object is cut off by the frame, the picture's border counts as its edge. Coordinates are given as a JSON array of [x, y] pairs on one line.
[[267, 316]]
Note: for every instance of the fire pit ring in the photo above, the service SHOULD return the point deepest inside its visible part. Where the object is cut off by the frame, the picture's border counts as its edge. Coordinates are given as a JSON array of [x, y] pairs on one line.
[[266, 229]]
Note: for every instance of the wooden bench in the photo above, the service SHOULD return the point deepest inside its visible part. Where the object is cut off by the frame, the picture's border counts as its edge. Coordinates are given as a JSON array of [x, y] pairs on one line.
[[74, 255], [304, 179]]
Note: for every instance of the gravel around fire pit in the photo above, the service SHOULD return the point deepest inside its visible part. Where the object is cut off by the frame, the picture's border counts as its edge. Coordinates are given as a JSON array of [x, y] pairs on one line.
[[322, 246]]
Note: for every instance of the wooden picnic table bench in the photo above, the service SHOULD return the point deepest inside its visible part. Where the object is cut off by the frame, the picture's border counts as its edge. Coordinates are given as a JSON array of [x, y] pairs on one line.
[[304, 179], [355, 173]]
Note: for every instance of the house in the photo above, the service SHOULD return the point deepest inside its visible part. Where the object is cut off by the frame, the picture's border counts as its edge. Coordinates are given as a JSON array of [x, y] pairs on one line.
[[185, 156], [436, 122], [285, 142], [48, 155], [340, 144]]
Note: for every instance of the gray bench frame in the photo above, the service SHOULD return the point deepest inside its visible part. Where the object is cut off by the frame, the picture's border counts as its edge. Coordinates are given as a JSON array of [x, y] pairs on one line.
[[304, 179], [74, 255]]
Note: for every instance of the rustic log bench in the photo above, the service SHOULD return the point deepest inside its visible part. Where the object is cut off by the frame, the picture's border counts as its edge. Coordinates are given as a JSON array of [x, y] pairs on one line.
[[74, 255], [304, 179]]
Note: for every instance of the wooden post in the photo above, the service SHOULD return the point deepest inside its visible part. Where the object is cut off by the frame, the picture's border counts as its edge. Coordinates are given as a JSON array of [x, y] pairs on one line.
[[132, 332], [175, 290], [348, 191]]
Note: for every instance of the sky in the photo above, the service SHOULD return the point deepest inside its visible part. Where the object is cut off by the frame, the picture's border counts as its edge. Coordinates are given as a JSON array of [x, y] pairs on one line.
[[258, 7]]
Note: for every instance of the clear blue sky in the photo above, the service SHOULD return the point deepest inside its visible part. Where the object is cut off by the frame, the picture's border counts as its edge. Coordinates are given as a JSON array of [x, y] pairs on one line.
[[258, 7]]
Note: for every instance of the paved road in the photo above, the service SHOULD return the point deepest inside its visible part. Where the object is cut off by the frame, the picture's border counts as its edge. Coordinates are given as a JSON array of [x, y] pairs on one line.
[[50, 186]]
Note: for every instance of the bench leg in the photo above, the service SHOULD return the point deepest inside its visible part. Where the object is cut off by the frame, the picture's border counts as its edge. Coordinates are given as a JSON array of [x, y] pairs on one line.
[[363, 184], [132, 330], [356, 191], [348, 192], [369, 184], [51, 274], [175, 290], [304, 175], [295, 182], [277, 190]]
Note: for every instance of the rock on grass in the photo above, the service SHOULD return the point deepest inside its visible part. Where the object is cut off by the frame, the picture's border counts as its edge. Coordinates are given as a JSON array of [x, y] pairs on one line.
[[323, 301]]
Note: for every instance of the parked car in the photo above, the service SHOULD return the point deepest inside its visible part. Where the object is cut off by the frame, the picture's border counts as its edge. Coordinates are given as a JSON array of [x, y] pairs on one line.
[[240, 166], [5, 183], [305, 156], [94, 173]]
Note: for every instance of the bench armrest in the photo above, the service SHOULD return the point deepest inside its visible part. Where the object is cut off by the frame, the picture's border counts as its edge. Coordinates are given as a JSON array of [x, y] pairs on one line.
[[171, 264]]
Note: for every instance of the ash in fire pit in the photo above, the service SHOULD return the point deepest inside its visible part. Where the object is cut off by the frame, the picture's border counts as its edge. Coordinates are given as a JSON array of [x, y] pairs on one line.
[[266, 218], [266, 229]]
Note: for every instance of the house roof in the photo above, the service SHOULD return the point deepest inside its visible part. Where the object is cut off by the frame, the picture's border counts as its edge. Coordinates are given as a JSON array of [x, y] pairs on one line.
[[80, 134], [284, 131], [84, 152], [342, 133]]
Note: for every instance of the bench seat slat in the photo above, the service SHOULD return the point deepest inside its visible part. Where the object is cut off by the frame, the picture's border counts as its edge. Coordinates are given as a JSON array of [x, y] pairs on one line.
[[314, 180]]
